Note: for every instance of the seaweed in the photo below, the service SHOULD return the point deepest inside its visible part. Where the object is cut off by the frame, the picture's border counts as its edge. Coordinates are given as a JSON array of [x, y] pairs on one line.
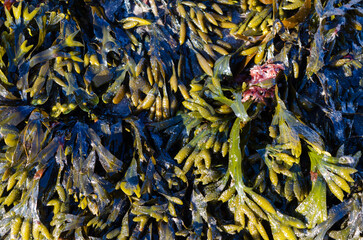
[[179, 119]]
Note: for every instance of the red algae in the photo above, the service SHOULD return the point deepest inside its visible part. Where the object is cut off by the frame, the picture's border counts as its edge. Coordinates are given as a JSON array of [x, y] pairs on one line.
[[258, 87]]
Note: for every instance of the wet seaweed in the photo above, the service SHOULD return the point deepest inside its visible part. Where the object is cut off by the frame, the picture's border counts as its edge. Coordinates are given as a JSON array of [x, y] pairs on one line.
[[181, 119]]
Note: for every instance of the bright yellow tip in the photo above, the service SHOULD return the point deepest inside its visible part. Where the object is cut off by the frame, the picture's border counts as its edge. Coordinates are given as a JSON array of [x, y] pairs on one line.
[[17, 11], [69, 42], [24, 48], [29, 16]]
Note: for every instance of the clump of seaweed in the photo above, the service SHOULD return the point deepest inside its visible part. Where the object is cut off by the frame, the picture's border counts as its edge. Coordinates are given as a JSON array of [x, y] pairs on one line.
[[178, 119]]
